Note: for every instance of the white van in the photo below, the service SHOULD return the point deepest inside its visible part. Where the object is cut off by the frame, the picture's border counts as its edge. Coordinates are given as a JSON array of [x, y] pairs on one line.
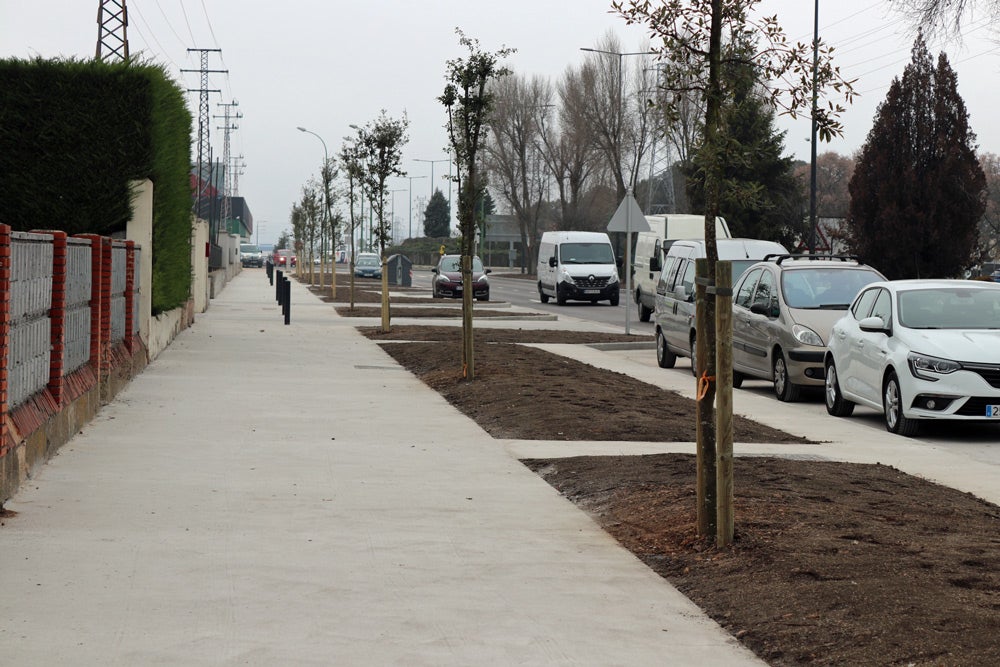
[[674, 305], [651, 247], [577, 265]]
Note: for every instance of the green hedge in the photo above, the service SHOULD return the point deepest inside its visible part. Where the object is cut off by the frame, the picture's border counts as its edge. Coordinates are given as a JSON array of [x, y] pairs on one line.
[[74, 133]]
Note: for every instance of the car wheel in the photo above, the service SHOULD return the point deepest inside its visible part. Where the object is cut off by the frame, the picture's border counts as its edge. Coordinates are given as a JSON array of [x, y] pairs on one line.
[[614, 299], [694, 355], [664, 357], [738, 379], [784, 389], [892, 406], [483, 298], [836, 404]]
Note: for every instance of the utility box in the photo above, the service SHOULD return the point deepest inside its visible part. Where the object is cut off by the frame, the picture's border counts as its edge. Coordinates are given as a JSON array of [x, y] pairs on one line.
[[399, 268]]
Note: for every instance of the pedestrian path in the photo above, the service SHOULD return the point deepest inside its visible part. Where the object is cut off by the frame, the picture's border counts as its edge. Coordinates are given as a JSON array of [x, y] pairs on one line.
[[287, 495]]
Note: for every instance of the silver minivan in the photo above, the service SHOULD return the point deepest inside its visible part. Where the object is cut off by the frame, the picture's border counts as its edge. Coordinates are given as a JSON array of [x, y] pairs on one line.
[[674, 305]]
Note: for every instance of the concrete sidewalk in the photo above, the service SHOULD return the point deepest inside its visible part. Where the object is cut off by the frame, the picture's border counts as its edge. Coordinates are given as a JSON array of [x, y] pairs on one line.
[[266, 494]]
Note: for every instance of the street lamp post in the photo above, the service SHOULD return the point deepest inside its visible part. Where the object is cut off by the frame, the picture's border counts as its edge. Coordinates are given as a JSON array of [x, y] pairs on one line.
[[326, 201], [411, 203], [812, 147]]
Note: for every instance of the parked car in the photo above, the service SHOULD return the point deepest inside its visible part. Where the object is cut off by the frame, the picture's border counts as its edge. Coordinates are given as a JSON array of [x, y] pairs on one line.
[[918, 350], [284, 258], [783, 310], [251, 255], [368, 265], [447, 279], [674, 328], [995, 276]]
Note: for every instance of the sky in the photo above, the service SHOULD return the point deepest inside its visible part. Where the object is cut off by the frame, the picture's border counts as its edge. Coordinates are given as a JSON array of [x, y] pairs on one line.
[[327, 64]]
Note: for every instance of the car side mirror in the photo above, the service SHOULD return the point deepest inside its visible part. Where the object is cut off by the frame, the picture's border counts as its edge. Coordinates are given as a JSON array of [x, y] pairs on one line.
[[873, 325], [655, 264], [552, 261], [434, 270], [760, 309], [488, 271]]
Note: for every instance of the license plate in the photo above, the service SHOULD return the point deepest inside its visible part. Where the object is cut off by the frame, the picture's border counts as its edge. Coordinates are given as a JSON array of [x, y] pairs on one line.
[[993, 411], [591, 291]]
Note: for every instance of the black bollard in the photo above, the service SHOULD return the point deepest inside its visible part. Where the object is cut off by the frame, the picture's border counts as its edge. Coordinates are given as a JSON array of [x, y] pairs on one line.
[[288, 301], [270, 273], [277, 288]]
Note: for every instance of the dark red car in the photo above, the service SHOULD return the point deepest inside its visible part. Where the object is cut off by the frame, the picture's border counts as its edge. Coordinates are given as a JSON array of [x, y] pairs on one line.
[[447, 280]]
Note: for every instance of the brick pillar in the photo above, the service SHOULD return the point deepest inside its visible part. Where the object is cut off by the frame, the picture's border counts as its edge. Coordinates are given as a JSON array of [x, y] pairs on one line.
[[129, 295], [57, 314], [4, 330], [100, 305]]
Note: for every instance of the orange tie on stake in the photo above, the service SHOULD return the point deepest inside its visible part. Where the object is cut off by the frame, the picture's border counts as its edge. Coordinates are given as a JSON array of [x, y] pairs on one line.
[[703, 384]]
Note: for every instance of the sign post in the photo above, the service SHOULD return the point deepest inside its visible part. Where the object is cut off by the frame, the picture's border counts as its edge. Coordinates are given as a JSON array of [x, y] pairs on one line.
[[628, 218]]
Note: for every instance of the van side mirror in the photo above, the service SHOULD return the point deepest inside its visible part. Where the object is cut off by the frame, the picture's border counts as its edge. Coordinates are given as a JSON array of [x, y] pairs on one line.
[[655, 264], [552, 261]]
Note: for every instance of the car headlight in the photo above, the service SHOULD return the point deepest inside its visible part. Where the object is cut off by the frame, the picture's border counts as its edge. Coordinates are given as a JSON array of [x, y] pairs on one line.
[[806, 336], [921, 365], [482, 279], [613, 279]]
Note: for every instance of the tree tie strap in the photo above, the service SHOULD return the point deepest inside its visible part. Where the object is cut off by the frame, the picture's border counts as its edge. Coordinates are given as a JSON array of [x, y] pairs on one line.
[[704, 382]]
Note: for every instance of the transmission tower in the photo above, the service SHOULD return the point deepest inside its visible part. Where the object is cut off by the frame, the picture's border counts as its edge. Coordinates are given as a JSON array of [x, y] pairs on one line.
[[112, 21], [227, 174], [203, 114], [239, 164]]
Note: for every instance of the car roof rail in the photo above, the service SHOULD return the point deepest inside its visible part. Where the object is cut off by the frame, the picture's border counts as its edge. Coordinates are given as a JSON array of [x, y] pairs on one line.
[[779, 258]]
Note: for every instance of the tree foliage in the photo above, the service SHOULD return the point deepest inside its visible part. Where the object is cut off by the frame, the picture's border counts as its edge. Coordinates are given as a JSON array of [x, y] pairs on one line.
[[760, 197], [437, 216], [381, 143], [989, 225], [918, 191]]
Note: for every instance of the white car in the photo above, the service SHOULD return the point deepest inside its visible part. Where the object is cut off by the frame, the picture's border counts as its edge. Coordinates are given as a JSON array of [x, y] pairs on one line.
[[918, 349]]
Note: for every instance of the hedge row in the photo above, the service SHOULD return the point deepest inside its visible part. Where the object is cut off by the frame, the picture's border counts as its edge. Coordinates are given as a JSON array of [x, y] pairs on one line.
[[74, 133]]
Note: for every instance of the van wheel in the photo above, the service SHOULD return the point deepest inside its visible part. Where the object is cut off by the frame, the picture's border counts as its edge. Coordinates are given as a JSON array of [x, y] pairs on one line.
[[664, 357], [614, 299], [644, 312], [738, 379], [542, 296], [560, 297]]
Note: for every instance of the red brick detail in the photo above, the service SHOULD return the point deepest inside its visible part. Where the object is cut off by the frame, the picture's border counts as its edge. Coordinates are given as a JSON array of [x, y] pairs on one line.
[[6, 442], [100, 302], [129, 294], [57, 314]]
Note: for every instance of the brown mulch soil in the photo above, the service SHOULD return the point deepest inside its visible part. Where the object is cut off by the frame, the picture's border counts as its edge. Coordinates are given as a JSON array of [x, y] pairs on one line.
[[833, 563], [525, 393], [439, 313], [453, 334]]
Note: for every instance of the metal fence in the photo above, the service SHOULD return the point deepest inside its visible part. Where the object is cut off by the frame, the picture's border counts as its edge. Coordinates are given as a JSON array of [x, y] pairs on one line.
[[76, 342], [29, 354]]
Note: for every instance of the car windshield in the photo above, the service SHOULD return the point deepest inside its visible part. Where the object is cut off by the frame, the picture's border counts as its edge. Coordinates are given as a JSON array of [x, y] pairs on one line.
[[249, 248], [825, 288], [950, 308], [586, 253], [367, 261], [454, 264]]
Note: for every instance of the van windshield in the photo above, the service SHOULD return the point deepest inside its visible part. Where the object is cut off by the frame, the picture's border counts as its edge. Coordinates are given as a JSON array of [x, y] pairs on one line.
[[586, 253]]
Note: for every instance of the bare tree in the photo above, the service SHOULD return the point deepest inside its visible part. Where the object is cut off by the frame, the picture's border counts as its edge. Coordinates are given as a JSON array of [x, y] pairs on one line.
[[352, 157], [513, 154], [948, 16], [989, 226]]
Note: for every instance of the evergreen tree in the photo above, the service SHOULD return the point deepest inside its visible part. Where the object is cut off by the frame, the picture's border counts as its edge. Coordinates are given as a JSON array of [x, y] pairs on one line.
[[437, 217], [763, 199], [918, 191]]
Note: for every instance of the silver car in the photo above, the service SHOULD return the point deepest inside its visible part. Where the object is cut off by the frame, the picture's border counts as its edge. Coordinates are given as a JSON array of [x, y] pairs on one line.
[[783, 311]]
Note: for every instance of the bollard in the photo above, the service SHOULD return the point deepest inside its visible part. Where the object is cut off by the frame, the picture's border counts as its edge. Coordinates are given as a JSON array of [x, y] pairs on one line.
[[270, 273], [288, 301], [278, 288]]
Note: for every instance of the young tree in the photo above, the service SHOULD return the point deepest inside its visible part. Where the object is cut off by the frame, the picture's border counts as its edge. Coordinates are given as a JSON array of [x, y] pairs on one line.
[[382, 144], [437, 216], [469, 104], [989, 226], [918, 191], [352, 157], [690, 35]]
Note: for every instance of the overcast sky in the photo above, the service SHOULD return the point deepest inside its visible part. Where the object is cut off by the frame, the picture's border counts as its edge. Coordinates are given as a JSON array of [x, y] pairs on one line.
[[327, 64]]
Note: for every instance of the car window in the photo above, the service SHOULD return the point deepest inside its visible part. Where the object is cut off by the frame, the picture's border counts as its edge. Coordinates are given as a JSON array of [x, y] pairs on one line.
[[451, 264], [883, 307], [687, 278], [744, 292], [825, 287], [672, 277], [661, 285], [863, 305], [950, 308], [765, 292], [587, 253]]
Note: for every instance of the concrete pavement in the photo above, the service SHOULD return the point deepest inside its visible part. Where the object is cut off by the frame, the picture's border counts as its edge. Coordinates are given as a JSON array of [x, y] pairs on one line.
[[266, 494]]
